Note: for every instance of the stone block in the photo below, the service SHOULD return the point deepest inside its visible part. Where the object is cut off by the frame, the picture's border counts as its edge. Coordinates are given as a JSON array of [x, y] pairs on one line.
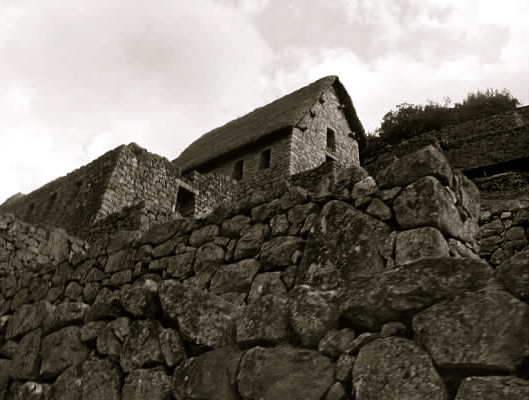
[[493, 388], [264, 321], [342, 243], [428, 203], [386, 296], [284, 373], [485, 331], [203, 318], [211, 376], [395, 368], [415, 244], [428, 161]]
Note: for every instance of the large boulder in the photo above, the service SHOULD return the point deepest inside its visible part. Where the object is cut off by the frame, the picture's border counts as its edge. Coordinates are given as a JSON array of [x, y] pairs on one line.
[[101, 380], [203, 318], [147, 383], [279, 252], [410, 168], [395, 368], [142, 347], [428, 203], [211, 376], [343, 243], [493, 388], [403, 291], [236, 277], [263, 321], [486, 330], [251, 241], [284, 373], [26, 360], [61, 350], [513, 275], [414, 244], [312, 314]]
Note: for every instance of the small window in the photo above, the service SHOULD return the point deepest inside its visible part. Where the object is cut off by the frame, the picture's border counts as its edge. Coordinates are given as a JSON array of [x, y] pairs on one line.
[[331, 140], [185, 202], [264, 161], [237, 170]]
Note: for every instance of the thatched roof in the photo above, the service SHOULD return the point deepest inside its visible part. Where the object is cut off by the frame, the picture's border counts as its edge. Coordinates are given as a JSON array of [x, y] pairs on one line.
[[264, 122]]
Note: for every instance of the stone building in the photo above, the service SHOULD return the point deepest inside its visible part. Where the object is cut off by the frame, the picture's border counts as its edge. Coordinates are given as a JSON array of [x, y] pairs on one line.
[[291, 135], [295, 133], [124, 177]]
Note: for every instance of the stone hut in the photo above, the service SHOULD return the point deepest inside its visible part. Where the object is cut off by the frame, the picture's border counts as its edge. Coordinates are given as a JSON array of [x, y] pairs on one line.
[[295, 133]]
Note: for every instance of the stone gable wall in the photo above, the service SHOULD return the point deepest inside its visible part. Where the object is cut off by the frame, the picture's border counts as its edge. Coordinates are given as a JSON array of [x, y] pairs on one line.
[[292, 293], [309, 138], [71, 201], [140, 176], [125, 177]]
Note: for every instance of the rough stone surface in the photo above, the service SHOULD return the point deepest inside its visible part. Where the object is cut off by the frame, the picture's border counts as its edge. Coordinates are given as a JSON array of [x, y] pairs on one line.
[[412, 167], [26, 360], [513, 275], [142, 347], [396, 368], [336, 342], [279, 251], [387, 296], [312, 314], [264, 321], [26, 318], [235, 277], [493, 388], [428, 203], [211, 376], [266, 283], [486, 330], [328, 262], [284, 373], [152, 384], [414, 244], [203, 318], [101, 380], [61, 350], [251, 241]]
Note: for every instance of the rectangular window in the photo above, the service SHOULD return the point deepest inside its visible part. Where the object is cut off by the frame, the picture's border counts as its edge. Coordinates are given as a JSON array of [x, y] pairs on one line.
[[331, 140], [264, 161], [238, 170]]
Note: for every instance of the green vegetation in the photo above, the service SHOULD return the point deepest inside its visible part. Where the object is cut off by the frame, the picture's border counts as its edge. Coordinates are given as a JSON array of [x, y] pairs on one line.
[[409, 120]]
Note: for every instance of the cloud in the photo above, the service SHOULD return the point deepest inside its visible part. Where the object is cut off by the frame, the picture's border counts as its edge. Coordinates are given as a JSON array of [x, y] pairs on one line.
[[85, 76]]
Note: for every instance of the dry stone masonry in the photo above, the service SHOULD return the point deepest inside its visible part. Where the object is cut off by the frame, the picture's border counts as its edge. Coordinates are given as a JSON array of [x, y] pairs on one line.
[[336, 286]]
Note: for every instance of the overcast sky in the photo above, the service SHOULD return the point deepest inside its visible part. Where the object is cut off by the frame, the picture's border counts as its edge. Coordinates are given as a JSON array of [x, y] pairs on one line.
[[80, 77]]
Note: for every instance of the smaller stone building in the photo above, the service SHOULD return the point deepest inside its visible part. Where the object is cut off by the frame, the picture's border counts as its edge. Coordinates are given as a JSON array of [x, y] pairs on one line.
[[127, 177], [295, 133]]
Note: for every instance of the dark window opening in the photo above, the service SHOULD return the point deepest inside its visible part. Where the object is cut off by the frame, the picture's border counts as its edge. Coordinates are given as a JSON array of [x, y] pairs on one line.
[[238, 170], [185, 202], [331, 140], [31, 209], [264, 161]]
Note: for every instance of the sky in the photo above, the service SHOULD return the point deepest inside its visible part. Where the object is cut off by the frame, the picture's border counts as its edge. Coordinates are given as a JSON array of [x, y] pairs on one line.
[[81, 77]]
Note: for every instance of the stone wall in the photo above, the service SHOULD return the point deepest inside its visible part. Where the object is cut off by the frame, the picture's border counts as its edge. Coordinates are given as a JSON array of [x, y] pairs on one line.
[[504, 228], [472, 145], [70, 202], [359, 288], [124, 177]]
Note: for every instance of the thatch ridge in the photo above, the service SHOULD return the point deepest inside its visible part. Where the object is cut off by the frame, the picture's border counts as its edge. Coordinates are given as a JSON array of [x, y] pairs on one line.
[[271, 119]]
